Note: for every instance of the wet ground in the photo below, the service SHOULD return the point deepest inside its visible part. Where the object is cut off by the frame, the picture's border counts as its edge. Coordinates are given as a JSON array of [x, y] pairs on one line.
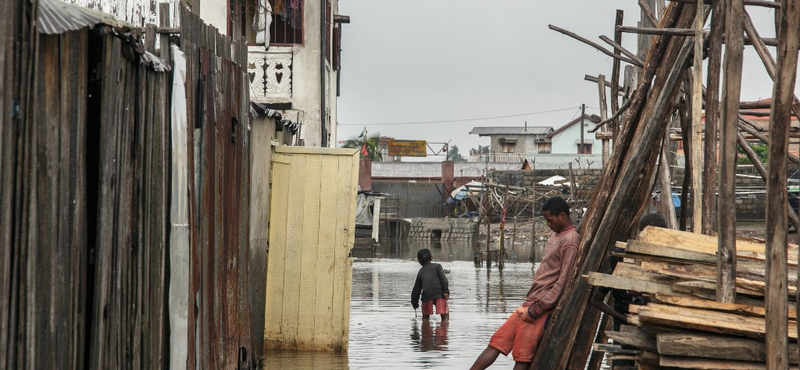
[[384, 332]]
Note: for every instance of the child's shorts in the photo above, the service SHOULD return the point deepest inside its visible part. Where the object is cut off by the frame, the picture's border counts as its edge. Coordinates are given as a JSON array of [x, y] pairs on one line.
[[441, 307], [520, 335]]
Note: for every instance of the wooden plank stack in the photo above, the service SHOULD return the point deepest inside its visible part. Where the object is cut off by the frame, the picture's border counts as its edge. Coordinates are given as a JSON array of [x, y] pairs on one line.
[[682, 326]]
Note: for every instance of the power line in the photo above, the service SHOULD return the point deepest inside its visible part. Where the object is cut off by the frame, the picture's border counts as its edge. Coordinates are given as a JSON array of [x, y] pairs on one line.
[[457, 120]]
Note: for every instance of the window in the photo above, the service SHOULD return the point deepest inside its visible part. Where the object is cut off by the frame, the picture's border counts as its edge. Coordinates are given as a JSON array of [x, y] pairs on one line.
[[507, 145], [543, 148], [587, 149], [287, 22]]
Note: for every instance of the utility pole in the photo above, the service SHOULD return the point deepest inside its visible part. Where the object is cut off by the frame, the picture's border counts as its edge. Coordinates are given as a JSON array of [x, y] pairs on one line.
[[583, 113]]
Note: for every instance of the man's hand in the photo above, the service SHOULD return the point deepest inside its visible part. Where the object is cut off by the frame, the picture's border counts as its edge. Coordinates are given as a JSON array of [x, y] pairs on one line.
[[447, 296]]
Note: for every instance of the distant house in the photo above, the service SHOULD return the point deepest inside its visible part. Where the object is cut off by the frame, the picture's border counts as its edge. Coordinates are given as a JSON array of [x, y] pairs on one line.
[[516, 139], [567, 139]]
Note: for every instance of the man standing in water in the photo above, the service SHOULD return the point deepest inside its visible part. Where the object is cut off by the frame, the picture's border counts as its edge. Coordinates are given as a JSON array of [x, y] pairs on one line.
[[524, 329]]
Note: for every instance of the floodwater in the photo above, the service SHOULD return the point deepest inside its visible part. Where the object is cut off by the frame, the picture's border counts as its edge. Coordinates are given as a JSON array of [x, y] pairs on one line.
[[386, 334]]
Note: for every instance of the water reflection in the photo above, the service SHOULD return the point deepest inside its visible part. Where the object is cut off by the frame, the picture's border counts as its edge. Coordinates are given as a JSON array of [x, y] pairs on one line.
[[431, 337], [384, 332]]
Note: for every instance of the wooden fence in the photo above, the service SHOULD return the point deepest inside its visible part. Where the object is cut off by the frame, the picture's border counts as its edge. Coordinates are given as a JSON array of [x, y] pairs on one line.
[[84, 225]]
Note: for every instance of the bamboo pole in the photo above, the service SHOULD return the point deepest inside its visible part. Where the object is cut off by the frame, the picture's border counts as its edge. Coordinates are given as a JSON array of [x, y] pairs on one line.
[[783, 98], [697, 127], [726, 262], [712, 118]]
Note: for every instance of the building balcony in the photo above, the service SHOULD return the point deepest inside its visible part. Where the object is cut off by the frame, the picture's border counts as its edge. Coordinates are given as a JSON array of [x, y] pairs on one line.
[[270, 74]]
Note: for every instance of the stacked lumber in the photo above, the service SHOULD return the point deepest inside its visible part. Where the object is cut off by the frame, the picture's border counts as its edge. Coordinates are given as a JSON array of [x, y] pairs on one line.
[[682, 326]]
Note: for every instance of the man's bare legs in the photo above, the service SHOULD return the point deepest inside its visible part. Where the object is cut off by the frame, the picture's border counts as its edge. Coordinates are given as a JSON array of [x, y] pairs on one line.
[[522, 365], [490, 354], [486, 358]]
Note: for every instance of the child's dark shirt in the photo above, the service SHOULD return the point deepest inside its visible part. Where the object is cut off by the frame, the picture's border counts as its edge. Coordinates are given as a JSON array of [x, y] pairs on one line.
[[431, 282]]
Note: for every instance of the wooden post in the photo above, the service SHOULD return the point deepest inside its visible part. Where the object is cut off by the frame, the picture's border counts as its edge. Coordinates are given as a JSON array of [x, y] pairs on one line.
[[712, 118], [532, 257], [615, 78], [572, 191], [697, 127], [788, 33], [601, 90], [734, 45], [666, 185]]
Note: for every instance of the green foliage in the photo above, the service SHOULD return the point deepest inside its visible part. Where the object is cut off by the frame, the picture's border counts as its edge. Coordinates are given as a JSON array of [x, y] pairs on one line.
[[372, 145], [761, 150], [482, 149], [455, 155]]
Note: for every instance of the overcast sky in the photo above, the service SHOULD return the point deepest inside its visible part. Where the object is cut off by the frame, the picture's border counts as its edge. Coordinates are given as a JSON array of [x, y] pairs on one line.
[[435, 60]]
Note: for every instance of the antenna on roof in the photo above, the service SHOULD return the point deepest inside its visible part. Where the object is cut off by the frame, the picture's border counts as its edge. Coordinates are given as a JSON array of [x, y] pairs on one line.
[[526, 126]]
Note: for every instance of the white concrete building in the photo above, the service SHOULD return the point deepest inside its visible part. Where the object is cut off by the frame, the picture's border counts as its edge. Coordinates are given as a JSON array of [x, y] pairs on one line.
[[294, 52], [294, 63], [567, 139]]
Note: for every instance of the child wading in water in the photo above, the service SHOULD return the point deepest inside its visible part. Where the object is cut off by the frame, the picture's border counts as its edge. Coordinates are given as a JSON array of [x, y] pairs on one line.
[[432, 283]]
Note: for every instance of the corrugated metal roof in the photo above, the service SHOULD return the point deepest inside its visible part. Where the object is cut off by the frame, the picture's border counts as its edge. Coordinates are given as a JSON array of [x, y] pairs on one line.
[[57, 17], [512, 130]]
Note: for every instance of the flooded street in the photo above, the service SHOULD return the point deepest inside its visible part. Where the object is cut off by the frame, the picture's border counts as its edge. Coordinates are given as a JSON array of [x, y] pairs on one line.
[[384, 332]]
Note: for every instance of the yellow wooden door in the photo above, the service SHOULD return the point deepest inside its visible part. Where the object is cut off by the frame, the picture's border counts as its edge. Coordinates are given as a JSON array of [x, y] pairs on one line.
[[311, 232]]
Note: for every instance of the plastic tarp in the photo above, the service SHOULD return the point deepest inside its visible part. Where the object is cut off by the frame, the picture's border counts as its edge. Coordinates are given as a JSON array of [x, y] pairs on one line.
[[553, 181], [364, 209]]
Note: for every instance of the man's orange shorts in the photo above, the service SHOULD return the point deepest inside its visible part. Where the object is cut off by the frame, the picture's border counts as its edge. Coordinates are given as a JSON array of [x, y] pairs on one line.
[[439, 303], [520, 335]]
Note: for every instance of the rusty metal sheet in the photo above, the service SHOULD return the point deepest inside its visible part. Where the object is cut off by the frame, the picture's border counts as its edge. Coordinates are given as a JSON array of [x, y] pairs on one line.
[[407, 148]]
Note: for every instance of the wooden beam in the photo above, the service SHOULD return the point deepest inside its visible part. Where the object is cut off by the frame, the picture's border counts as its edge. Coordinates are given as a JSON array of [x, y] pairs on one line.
[[697, 127], [734, 11], [709, 321], [764, 3], [620, 49], [615, 76], [783, 99], [648, 13], [666, 184], [657, 31], [592, 44], [620, 89], [715, 346], [712, 118], [601, 91]]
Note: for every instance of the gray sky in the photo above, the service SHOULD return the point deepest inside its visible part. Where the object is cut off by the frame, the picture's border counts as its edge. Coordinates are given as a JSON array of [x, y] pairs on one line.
[[435, 60]]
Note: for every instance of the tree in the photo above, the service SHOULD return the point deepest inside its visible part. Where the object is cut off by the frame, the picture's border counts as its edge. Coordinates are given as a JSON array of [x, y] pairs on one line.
[[762, 150], [369, 146], [482, 149], [455, 155]]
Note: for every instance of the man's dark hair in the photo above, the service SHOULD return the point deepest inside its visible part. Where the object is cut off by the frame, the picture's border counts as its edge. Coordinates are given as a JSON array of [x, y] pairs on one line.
[[555, 206], [651, 219], [424, 256]]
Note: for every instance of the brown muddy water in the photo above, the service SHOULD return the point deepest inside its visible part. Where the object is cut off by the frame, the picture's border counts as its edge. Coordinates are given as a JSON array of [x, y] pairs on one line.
[[384, 332]]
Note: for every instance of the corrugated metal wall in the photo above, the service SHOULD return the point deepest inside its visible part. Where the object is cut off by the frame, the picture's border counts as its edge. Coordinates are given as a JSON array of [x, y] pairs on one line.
[[416, 199], [218, 109]]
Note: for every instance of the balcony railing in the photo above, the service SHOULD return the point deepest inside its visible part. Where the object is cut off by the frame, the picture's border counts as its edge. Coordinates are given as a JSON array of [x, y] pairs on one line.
[[270, 74], [498, 157]]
